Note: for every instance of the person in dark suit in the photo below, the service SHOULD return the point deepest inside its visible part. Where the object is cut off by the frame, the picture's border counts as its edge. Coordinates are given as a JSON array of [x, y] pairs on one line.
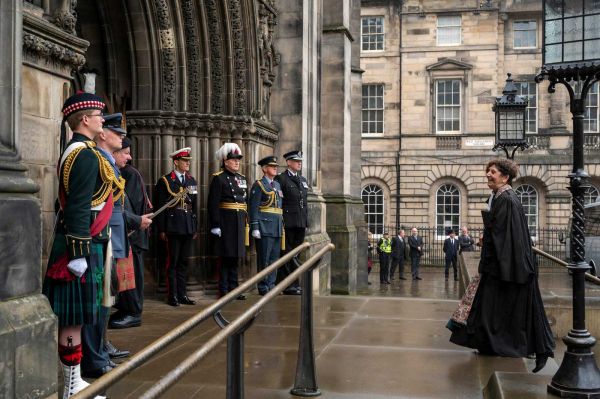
[[130, 303], [451, 248], [398, 252], [295, 213], [465, 241], [227, 216], [415, 241], [178, 225], [266, 220]]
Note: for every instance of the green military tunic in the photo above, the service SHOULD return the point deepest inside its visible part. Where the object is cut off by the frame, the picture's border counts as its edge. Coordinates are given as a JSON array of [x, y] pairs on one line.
[[85, 186]]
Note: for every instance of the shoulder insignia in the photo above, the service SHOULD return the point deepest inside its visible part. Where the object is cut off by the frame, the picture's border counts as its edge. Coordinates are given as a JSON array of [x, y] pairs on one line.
[[242, 175], [217, 173]]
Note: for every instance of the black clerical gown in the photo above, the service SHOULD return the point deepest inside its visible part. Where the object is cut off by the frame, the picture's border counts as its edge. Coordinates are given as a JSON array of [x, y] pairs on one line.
[[507, 317]]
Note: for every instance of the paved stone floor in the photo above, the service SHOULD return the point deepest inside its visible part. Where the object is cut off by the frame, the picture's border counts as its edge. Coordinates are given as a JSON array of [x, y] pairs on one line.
[[390, 342]]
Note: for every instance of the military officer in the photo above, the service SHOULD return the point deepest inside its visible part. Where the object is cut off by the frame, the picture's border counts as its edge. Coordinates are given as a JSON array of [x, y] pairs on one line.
[[76, 262], [227, 215], [266, 220], [295, 213], [178, 224]]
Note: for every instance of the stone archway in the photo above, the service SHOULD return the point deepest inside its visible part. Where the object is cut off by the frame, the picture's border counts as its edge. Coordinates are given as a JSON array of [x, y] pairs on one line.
[[191, 73]]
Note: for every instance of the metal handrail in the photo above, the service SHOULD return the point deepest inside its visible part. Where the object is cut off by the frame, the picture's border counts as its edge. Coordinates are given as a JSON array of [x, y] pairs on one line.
[[588, 276], [145, 354], [187, 364]]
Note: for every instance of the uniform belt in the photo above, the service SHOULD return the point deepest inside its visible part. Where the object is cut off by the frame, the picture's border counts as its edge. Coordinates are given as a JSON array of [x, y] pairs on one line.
[[269, 209], [185, 207], [98, 207], [233, 206]]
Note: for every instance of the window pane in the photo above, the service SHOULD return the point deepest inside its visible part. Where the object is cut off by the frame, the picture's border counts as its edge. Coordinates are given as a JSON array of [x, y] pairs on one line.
[[372, 197], [372, 34], [447, 209], [529, 199], [372, 108]]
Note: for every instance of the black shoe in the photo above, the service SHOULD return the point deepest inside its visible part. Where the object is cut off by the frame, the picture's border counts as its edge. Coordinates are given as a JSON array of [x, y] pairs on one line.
[[262, 293], [173, 302], [418, 278], [292, 291], [96, 373], [241, 297], [540, 362], [402, 278], [127, 321], [112, 364], [186, 300], [113, 352]]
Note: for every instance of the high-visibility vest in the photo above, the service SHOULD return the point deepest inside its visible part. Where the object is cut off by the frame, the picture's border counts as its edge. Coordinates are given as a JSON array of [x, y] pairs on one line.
[[386, 246]]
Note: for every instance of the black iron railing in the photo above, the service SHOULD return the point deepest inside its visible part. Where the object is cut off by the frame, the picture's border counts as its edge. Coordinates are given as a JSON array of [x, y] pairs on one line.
[[305, 382], [550, 240]]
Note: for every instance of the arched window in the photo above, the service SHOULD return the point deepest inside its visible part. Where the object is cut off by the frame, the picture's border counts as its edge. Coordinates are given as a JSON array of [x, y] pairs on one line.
[[591, 195], [447, 209], [372, 198], [529, 198]]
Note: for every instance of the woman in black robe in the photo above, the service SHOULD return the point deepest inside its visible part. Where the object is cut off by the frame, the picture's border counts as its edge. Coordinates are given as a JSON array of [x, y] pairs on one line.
[[507, 317]]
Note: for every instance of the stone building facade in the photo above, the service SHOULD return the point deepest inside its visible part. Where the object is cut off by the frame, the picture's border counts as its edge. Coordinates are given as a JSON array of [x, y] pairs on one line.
[[269, 75], [432, 72]]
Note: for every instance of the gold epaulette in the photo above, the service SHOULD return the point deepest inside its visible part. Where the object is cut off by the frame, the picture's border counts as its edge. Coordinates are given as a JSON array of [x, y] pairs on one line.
[[217, 173]]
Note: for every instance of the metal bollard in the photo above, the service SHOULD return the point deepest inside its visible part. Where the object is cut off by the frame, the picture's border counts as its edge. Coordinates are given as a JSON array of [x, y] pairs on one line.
[[235, 357], [305, 383]]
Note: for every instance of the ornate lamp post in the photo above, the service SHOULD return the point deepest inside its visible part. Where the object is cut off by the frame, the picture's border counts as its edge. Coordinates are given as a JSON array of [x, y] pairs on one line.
[[571, 53], [510, 119]]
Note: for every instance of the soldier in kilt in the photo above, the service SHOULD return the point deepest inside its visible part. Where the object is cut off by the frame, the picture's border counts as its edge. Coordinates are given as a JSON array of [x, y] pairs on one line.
[[227, 216], [73, 280]]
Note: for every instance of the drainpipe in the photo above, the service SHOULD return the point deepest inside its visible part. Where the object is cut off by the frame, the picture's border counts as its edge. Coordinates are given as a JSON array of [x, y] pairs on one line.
[[399, 116]]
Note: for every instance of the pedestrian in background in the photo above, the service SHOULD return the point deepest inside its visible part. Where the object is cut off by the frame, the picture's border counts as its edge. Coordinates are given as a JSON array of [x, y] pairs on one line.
[[384, 248]]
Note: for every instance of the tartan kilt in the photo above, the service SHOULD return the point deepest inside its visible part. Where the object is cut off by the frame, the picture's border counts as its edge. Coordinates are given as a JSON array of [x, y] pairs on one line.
[[75, 302]]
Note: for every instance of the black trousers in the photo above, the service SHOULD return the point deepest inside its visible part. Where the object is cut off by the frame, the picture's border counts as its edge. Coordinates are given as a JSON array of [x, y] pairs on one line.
[[293, 237], [131, 302], [179, 249], [452, 261], [384, 267], [228, 274], [397, 262]]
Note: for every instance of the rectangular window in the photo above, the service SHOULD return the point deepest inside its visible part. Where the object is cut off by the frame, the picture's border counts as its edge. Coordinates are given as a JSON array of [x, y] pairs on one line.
[[372, 109], [448, 30], [372, 36], [529, 90], [590, 119], [447, 108], [524, 34]]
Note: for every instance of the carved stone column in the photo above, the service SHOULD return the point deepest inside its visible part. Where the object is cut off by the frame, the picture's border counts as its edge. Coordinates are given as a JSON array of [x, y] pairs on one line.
[[339, 146], [295, 107], [28, 328]]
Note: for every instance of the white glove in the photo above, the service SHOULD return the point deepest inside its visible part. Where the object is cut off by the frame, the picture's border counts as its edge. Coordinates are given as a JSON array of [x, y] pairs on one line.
[[256, 234], [216, 231], [77, 266]]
